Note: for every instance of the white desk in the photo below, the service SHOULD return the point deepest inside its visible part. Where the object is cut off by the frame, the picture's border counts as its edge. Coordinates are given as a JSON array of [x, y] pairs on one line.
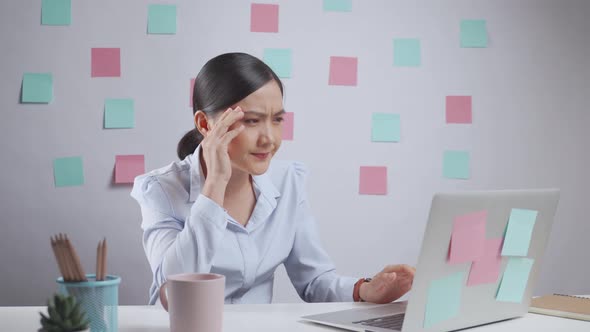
[[268, 317]]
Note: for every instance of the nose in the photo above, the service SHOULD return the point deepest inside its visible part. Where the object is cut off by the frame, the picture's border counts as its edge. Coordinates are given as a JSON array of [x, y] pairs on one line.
[[266, 136]]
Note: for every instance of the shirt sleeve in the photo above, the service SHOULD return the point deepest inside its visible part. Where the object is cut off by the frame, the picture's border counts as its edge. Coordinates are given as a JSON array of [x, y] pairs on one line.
[[173, 245], [308, 265]]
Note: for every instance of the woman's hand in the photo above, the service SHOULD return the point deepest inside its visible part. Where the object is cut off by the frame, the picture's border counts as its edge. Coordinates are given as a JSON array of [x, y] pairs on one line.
[[215, 154], [388, 285]]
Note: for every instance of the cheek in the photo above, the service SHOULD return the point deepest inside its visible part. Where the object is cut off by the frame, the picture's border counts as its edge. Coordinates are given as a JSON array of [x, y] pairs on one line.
[[239, 145]]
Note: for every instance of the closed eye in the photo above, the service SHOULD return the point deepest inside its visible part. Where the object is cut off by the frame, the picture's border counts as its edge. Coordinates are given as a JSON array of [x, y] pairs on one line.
[[251, 121]]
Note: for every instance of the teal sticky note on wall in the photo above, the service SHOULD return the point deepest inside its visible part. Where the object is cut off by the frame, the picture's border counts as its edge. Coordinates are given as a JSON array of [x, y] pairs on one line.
[[56, 12], [68, 171], [37, 88], [385, 127], [519, 232], [162, 19], [474, 33], [406, 53], [119, 113], [280, 60], [338, 5], [456, 164], [515, 279], [444, 299]]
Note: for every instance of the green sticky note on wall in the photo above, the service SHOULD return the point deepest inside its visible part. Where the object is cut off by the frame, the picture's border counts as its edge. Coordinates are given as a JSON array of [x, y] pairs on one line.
[[444, 299], [515, 279], [337, 5], [406, 53], [56, 12], [37, 88], [162, 19], [385, 127], [279, 60], [519, 232], [474, 33], [119, 113], [68, 172], [456, 165]]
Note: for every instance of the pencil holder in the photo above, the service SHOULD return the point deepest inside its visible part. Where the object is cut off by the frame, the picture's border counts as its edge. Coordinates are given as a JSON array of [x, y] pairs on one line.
[[99, 299]]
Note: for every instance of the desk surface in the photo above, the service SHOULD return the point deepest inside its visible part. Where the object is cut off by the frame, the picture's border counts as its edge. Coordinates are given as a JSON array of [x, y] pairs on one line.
[[269, 317]]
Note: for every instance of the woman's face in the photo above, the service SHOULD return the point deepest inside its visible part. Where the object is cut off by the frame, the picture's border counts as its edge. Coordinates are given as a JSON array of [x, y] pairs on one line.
[[252, 150]]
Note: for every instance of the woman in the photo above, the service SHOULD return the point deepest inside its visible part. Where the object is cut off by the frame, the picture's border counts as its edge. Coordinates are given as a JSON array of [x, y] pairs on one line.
[[226, 208]]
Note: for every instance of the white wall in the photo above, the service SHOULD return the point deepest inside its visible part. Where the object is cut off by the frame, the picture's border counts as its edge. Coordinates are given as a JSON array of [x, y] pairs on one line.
[[530, 91]]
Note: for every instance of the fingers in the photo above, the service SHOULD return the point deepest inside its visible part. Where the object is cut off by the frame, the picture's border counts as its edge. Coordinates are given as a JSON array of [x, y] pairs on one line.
[[230, 135], [227, 119], [401, 268]]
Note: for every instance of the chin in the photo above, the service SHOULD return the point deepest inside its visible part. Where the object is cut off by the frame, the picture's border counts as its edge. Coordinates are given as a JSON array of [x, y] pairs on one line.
[[258, 170]]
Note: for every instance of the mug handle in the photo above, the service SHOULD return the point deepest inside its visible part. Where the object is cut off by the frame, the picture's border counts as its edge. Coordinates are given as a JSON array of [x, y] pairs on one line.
[[163, 297]]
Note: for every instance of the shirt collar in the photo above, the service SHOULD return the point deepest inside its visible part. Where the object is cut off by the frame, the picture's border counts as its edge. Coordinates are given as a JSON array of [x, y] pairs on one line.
[[262, 183]]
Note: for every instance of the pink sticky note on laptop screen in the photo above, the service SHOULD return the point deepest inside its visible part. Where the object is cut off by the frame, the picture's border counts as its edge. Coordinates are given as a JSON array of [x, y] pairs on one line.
[[373, 180], [343, 70], [127, 167], [486, 269], [468, 237], [458, 109], [288, 126], [106, 62], [264, 18]]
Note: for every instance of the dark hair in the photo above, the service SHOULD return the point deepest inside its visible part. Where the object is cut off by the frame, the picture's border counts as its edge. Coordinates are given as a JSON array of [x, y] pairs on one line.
[[222, 82]]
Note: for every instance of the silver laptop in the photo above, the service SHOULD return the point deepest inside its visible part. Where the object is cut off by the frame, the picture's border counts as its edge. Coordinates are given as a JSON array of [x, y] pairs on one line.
[[436, 305]]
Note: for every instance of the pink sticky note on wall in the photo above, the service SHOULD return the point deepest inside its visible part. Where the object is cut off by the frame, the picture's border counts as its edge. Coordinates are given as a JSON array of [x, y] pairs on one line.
[[468, 237], [373, 180], [343, 70], [106, 62], [127, 167], [264, 17], [458, 109], [288, 124], [192, 90], [486, 269]]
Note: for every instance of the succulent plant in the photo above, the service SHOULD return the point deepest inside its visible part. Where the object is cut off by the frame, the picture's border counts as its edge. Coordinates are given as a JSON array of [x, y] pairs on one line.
[[65, 315]]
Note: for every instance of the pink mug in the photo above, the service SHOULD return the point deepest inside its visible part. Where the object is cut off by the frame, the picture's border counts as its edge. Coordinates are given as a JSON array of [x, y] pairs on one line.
[[194, 301]]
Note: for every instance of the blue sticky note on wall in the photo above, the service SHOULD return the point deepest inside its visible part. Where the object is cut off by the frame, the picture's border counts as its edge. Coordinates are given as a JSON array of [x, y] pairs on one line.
[[406, 53], [515, 279], [519, 232], [444, 299], [162, 19], [337, 5], [385, 127], [37, 88], [279, 60], [56, 12], [68, 171], [474, 33], [456, 165], [119, 113]]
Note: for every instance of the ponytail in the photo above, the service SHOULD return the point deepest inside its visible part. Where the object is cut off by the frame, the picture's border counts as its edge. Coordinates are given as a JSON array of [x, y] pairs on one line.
[[188, 143]]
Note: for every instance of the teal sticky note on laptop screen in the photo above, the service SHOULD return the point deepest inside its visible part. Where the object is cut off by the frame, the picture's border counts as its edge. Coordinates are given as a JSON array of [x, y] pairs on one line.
[[444, 299], [515, 279], [519, 231]]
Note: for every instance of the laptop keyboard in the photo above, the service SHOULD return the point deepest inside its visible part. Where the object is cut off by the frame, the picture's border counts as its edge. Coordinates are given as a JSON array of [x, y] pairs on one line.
[[393, 322]]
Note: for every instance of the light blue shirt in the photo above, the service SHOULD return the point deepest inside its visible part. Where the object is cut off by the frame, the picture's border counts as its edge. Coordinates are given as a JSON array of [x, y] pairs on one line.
[[185, 231]]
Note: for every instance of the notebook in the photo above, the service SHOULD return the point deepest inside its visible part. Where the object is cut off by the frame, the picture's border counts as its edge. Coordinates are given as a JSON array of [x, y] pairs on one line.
[[560, 305]]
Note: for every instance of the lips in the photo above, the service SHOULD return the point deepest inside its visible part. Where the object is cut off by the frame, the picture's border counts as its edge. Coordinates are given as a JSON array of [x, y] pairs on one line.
[[261, 156]]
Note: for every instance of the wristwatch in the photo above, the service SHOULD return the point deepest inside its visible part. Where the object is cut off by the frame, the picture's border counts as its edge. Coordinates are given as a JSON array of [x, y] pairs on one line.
[[357, 288]]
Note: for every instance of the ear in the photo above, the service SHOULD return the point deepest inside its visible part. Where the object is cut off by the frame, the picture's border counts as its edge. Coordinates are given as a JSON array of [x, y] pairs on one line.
[[202, 123]]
